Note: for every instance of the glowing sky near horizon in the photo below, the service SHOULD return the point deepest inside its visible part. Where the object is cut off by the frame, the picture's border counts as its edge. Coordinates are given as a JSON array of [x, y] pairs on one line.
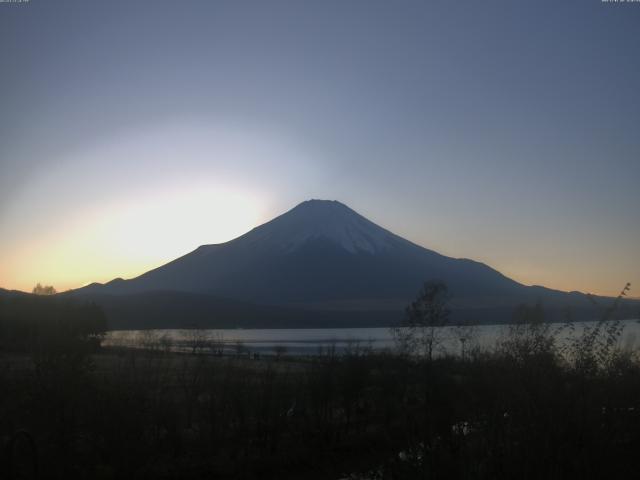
[[133, 132]]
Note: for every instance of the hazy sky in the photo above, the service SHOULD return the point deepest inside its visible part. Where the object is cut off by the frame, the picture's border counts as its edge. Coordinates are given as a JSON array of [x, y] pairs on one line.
[[504, 131]]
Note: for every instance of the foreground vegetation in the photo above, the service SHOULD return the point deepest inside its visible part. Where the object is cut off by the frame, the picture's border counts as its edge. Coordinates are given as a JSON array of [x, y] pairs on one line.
[[518, 412], [530, 408]]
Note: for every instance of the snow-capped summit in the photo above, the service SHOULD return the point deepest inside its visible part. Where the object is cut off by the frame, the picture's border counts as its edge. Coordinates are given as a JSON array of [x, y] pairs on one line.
[[322, 220]]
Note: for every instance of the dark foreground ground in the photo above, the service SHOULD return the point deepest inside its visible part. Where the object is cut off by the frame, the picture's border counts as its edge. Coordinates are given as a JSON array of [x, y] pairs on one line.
[[524, 411]]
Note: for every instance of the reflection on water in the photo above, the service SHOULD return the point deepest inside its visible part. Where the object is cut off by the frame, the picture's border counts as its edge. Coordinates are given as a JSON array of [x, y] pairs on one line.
[[309, 341]]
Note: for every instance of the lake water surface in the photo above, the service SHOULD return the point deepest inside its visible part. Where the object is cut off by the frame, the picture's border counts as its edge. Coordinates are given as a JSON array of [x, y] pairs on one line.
[[309, 341]]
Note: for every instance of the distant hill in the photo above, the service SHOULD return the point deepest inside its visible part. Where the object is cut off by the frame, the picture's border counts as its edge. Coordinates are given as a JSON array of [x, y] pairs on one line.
[[319, 263], [6, 293], [194, 310]]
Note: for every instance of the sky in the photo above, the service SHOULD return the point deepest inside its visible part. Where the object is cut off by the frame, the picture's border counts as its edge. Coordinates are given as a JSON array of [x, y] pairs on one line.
[[132, 132]]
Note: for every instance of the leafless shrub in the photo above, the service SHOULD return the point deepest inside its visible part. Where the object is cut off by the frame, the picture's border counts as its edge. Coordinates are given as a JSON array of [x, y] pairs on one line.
[[196, 339], [597, 346], [279, 351], [216, 344], [529, 336], [420, 331]]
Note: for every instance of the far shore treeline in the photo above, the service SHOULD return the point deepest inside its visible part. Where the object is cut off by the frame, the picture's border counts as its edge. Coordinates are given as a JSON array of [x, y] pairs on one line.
[[40, 321]]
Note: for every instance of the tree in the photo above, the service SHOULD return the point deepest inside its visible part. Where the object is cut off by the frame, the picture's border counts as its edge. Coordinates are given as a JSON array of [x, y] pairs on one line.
[[44, 290], [419, 331]]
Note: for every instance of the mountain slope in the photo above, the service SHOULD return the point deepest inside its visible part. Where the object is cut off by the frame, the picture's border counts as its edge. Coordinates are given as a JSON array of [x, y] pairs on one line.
[[320, 251]]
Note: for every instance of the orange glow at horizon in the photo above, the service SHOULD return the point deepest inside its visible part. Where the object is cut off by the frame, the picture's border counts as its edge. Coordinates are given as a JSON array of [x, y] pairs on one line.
[[129, 238]]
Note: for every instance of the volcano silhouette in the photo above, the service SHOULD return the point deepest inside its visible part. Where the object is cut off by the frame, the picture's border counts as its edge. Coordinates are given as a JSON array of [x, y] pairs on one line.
[[322, 256]]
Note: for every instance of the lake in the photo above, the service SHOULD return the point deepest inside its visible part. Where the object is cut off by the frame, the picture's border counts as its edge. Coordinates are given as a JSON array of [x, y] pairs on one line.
[[300, 341]]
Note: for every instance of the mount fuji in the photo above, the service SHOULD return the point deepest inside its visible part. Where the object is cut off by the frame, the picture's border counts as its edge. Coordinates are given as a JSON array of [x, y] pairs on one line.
[[319, 263]]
